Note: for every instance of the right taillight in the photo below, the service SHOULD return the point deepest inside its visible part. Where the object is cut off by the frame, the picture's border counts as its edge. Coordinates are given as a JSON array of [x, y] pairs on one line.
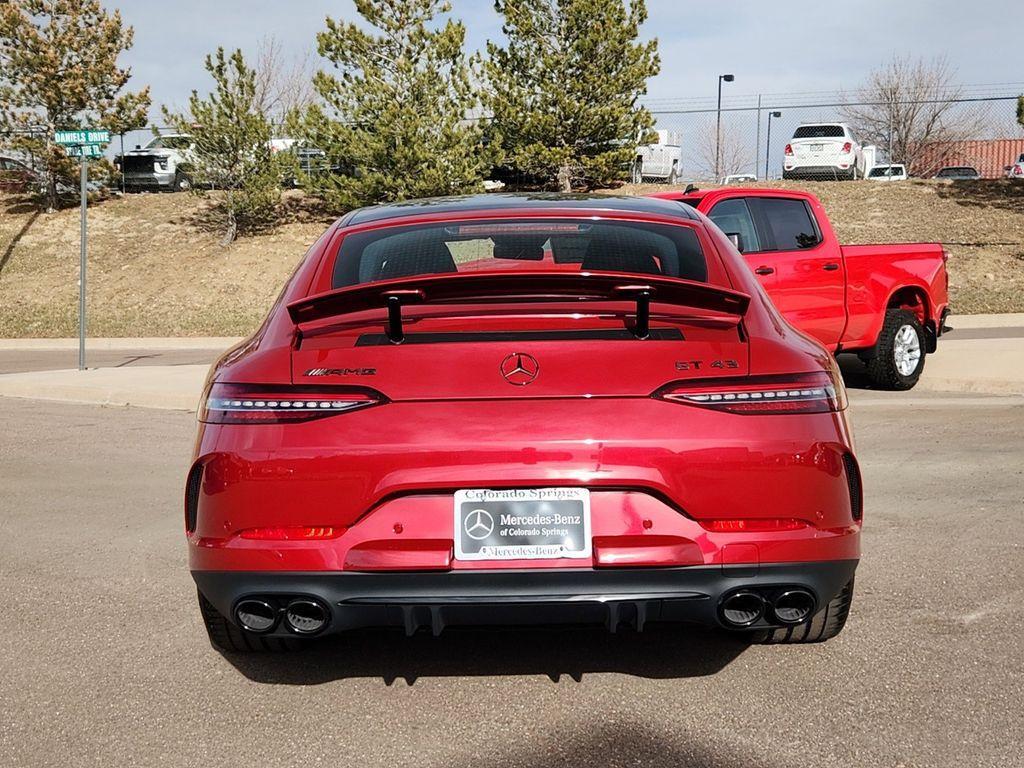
[[789, 150], [263, 404], [761, 395]]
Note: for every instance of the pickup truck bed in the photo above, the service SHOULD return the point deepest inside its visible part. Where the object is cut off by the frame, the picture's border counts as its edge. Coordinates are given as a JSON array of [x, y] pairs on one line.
[[886, 302]]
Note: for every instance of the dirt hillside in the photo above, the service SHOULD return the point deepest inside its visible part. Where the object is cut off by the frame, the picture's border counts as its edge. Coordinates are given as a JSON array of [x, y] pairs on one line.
[[153, 273]]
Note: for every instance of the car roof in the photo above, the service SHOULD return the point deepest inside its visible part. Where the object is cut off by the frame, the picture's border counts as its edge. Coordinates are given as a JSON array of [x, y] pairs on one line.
[[525, 201]]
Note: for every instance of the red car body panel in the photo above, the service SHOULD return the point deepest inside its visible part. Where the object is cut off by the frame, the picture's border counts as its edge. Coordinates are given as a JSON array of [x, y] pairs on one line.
[[661, 474], [839, 293]]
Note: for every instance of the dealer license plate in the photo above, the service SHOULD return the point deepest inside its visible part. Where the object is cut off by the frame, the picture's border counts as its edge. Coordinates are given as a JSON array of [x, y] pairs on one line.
[[522, 524]]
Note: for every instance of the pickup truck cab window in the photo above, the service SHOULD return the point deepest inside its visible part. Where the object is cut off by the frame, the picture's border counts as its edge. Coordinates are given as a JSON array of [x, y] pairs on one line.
[[733, 218], [790, 224]]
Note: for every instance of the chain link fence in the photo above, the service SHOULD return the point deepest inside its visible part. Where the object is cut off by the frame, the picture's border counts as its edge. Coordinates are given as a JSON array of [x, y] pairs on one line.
[[970, 127], [974, 126]]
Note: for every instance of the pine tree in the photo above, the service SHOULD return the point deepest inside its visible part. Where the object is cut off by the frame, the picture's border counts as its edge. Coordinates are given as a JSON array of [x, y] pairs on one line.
[[1020, 110], [231, 152], [564, 88], [58, 70], [395, 114]]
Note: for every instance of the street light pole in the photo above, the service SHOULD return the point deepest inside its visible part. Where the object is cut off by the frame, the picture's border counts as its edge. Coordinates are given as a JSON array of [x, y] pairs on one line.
[[768, 143], [718, 123]]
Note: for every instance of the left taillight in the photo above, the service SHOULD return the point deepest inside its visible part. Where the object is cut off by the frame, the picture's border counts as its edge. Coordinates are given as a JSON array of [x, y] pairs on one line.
[[847, 148], [762, 395], [262, 404]]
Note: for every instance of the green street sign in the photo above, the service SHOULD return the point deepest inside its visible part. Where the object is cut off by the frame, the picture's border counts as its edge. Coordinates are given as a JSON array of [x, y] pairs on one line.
[[85, 150], [72, 138]]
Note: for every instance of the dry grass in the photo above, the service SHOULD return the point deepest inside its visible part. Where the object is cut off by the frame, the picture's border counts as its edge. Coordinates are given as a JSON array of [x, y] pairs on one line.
[[153, 271]]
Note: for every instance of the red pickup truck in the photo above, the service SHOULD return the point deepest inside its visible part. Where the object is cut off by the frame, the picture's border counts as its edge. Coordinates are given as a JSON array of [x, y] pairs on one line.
[[887, 303]]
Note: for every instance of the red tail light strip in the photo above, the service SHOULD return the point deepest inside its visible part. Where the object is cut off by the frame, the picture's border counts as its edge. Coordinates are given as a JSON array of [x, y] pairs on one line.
[[753, 525], [292, 533]]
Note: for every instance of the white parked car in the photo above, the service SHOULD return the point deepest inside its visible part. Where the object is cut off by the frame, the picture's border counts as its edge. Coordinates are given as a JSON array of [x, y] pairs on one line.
[[661, 161], [894, 172], [739, 178], [824, 151], [163, 163], [1016, 171]]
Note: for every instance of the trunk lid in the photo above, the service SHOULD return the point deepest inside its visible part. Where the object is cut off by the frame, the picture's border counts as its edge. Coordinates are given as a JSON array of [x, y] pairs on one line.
[[519, 336]]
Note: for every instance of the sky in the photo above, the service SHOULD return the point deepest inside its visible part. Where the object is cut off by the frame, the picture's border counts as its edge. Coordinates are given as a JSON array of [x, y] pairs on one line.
[[795, 46]]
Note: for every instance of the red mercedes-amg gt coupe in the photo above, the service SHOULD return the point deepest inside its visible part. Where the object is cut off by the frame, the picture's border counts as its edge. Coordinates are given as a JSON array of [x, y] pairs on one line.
[[523, 409]]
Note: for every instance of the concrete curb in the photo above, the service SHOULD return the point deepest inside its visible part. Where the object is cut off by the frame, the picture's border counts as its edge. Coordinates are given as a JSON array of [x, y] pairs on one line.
[[176, 388], [971, 322], [116, 345]]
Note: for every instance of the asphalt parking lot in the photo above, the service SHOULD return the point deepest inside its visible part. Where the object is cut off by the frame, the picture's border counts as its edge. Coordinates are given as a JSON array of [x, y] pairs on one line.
[[105, 662]]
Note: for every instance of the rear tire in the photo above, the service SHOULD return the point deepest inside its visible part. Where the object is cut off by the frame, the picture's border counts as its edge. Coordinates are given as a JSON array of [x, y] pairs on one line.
[[898, 363], [636, 173], [824, 625], [182, 182], [225, 636]]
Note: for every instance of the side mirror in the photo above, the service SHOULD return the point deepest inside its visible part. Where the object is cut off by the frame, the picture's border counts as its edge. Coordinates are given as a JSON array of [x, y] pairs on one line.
[[736, 239]]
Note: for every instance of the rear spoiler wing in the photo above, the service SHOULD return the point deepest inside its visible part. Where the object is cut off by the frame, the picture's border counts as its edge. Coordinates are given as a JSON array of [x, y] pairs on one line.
[[502, 288]]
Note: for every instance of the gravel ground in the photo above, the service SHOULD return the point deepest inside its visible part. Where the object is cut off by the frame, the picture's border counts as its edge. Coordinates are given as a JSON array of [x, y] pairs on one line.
[[105, 661]]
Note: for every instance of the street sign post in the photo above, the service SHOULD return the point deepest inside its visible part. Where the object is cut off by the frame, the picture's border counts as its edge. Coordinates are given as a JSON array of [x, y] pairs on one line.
[[83, 144]]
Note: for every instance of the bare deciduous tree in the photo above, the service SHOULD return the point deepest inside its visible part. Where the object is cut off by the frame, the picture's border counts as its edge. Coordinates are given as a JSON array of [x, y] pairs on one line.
[[283, 84], [734, 154], [907, 107]]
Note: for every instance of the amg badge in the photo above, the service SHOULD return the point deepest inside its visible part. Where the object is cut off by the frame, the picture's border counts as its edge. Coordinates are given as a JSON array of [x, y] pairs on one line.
[[341, 372]]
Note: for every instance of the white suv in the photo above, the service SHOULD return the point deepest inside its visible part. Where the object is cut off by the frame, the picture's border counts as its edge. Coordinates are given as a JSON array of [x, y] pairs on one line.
[[823, 151]]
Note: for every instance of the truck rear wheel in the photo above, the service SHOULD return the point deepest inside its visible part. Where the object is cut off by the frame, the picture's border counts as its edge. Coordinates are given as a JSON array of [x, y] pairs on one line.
[[899, 354], [182, 182], [825, 624], [636, 173]]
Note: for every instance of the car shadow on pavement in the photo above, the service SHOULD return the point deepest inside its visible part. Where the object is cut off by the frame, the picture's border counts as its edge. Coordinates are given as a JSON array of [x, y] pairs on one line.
[[855, 372], [657, 652], [623, 743]]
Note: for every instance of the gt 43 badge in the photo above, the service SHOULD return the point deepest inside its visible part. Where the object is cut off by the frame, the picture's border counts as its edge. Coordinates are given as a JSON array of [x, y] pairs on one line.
[[696, 365]]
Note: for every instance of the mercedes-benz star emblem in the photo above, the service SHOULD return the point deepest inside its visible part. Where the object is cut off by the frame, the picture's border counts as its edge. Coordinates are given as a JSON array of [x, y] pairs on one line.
[[519, 369], [478, 524]]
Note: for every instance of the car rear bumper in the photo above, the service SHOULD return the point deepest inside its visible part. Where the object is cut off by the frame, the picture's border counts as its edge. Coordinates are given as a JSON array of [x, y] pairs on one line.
[[149, 180], [433, 601], [813, 171]]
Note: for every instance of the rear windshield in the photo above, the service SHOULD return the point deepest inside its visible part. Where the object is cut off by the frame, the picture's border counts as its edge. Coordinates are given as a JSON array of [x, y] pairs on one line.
[[819, 132], [886, 170], [960, 171], [170, 142], [564, 245]]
